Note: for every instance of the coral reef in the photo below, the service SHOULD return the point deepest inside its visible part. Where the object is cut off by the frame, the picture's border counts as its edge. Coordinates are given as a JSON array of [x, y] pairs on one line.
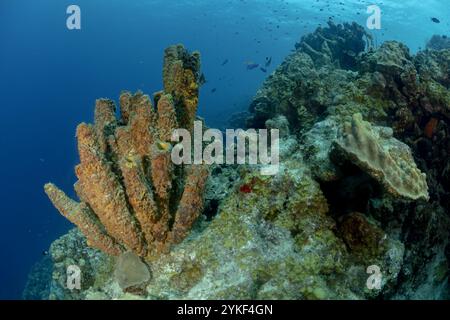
[[132, 197], [310, 84], [339, 44], [438, 42], [275, 242], [39, 280], [316, 146], [72, 250], [363, 181], [389, 87]]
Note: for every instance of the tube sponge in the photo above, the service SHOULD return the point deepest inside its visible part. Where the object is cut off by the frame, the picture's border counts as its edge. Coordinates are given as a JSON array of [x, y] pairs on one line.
[[131, 196]]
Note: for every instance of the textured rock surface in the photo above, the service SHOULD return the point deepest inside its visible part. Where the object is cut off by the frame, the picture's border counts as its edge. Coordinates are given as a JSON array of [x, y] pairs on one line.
[[39, 280], [72, 250], [316, 146], [390, 88], [275, 242]]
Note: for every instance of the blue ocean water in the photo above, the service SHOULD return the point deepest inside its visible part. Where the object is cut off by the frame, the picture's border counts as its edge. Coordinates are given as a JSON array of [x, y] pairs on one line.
[[50, 77]]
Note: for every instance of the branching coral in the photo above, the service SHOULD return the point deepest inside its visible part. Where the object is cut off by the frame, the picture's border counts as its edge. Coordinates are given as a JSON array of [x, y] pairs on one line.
[[387, 160], [132, 196]]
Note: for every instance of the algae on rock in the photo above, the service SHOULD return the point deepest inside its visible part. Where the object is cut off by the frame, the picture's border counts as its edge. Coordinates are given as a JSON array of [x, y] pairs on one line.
[[275, 242]]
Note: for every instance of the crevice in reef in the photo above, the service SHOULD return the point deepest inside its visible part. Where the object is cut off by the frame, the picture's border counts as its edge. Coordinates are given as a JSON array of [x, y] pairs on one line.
[[211, 210], [350, 193]]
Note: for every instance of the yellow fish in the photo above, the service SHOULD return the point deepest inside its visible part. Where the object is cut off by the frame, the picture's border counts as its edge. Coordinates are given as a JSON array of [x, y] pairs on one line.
[[163, 146]]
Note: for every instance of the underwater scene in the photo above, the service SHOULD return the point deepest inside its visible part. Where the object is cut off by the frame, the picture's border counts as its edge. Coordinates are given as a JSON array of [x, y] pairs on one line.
[[225, 150]]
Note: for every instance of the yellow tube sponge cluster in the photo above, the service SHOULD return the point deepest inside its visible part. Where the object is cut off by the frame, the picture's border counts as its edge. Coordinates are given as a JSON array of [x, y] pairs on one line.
[[132, 197]]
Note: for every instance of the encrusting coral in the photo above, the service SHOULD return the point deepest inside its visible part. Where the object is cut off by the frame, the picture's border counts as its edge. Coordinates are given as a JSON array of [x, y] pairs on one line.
[[132, 196], [391, 164]]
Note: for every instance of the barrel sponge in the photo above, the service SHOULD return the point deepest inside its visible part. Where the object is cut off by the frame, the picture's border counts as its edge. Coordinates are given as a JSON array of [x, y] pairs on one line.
[[389, 161]]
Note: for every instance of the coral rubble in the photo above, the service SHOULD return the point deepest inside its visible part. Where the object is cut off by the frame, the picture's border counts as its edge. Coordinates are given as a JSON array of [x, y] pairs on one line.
[[132, 197]]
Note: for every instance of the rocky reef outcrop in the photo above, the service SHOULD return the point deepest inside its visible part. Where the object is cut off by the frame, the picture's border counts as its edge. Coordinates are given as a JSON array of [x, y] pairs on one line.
[[309, 82], [438, 42], [363, 184], [275, 240], [404, 99]]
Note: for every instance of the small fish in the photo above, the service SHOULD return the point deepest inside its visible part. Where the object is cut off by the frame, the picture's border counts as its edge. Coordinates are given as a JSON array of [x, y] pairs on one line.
[[45, 253], [202, 79], [435, 20], [350, 53], [263, 69], [252, 65], [213, 90], [163, 146], [430, 127], [268, 62], [224, 62]]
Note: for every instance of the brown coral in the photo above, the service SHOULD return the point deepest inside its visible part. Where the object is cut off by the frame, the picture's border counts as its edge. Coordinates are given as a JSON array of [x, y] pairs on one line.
[[387, 160], [132, 196]]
